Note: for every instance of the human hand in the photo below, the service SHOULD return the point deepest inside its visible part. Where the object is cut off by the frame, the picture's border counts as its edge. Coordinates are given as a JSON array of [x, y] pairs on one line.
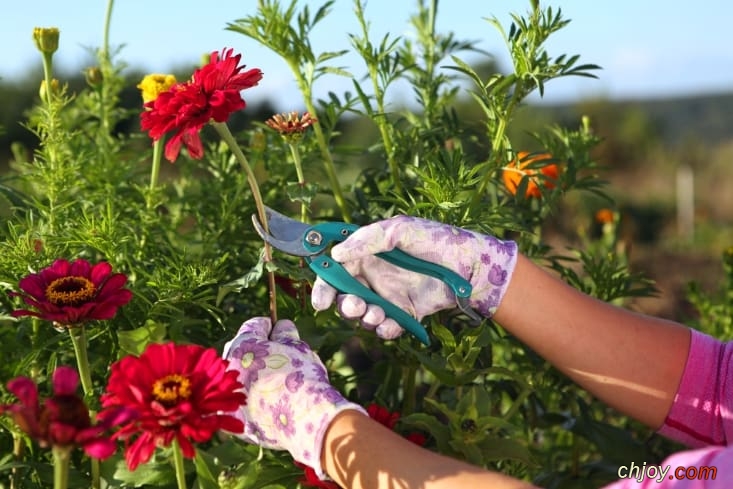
[[485, 261], [290, 402]]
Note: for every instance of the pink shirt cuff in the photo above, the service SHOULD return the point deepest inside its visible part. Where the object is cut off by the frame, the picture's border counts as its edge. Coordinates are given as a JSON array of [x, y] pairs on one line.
[[701, 412]]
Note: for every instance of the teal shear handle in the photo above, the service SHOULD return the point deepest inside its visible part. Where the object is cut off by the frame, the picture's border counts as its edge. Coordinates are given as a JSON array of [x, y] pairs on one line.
[[318, 237]]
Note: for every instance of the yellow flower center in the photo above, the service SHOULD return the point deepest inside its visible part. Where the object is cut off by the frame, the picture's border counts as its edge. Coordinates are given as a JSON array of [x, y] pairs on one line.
[[172, 389], [247, 359], [283, 419], [70, 291]]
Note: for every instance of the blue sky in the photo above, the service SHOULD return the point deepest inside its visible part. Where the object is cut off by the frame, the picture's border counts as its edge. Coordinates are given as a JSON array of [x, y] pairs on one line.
[[645, 47]]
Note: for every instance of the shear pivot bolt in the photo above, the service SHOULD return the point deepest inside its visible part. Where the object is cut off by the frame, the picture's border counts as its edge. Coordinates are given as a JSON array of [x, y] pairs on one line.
[[313, 237]]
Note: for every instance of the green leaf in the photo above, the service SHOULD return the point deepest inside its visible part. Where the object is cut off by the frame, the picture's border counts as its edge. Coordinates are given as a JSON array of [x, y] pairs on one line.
[[246, 281], [301, 193], [134, 341], [204, 464], [152, 473], [430, 424]]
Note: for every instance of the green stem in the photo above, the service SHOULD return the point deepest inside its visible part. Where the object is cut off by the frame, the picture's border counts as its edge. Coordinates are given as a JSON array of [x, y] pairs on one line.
[[155, 170], [434, 386], [82, 362], [82, 359], [178, 465], [226, 135], [497, 147], [106, 69], [380, 116], [301, 179], [48, 76], [408, 389], [61, 456], [18, 446], [321, 140], [107, 23]]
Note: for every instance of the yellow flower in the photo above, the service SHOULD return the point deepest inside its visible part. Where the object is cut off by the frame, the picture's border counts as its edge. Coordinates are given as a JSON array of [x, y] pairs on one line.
[[153, 85], [46, 39]]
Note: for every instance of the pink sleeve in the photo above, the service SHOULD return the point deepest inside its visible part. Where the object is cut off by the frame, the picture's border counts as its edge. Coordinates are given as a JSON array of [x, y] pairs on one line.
[[703, 468], [702, 411]]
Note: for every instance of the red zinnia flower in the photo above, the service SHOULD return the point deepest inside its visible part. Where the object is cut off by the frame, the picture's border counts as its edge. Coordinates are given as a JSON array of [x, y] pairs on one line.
[[213, 93], [72, 293], [63, 420], [383, 416], [180, 392], [310, 479]]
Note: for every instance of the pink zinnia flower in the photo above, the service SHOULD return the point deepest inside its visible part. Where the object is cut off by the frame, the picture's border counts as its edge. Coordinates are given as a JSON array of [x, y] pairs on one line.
[[213, 93], [63, 420], [180, 392], [72, 293]]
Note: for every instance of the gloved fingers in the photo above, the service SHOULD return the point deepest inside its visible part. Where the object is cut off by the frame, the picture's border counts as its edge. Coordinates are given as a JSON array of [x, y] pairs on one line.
[[284, 329], [389, 329], [322, 295], [350, 306], [367, 240], [373, 317], [257, 327]]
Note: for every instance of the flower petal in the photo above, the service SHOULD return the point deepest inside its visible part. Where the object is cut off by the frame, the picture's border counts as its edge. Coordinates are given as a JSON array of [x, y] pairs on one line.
[[65, 381]]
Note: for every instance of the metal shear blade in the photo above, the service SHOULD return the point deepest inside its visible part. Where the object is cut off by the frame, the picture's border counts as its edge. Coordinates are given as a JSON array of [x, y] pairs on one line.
[[285, 234]]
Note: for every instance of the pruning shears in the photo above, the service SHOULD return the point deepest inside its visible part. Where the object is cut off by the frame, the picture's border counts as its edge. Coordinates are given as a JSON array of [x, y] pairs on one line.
[[312, 241]]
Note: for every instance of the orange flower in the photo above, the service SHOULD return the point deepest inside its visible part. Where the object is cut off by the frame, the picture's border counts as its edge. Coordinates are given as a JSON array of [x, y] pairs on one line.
[[517, 169], [604, 216]]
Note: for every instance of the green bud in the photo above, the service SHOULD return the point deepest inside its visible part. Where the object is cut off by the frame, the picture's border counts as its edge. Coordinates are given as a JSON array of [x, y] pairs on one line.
[[46, 39], [93, 76]]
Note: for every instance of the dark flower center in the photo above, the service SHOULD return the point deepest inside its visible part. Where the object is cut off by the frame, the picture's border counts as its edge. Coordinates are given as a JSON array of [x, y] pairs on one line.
[[61, 418], [171, 389], [70, 291]]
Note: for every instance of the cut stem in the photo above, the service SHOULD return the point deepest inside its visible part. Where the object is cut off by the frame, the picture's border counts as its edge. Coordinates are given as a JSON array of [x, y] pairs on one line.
[[301, 179], [226, 135]]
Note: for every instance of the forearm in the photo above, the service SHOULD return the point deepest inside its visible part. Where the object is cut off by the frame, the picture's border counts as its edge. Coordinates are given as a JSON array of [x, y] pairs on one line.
[[630, 361], [361, 453]]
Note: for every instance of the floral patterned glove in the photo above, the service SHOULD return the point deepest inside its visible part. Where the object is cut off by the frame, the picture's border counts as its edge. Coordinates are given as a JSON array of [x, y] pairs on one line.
[[486, 262], [290, 402]]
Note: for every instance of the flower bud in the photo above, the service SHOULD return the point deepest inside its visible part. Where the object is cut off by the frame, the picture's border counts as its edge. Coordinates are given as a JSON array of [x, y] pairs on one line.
[[93, 76], [46, 39], [55, 89]]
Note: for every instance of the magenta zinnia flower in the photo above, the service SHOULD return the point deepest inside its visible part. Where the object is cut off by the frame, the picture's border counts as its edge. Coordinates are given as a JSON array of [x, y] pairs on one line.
[[181, 393], [73, 293], [213, 93], [63, 420]]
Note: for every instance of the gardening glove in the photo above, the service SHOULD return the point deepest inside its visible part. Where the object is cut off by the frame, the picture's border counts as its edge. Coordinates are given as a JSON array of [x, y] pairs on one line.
[[290, 402], [485, 261]]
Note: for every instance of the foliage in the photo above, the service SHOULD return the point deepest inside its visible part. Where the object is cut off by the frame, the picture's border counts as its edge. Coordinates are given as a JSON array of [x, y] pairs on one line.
[[197, 268], [716, 311]]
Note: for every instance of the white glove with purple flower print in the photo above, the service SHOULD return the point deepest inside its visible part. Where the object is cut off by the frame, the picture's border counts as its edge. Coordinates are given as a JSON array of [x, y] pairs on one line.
[[485, 261], [290, 402]]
